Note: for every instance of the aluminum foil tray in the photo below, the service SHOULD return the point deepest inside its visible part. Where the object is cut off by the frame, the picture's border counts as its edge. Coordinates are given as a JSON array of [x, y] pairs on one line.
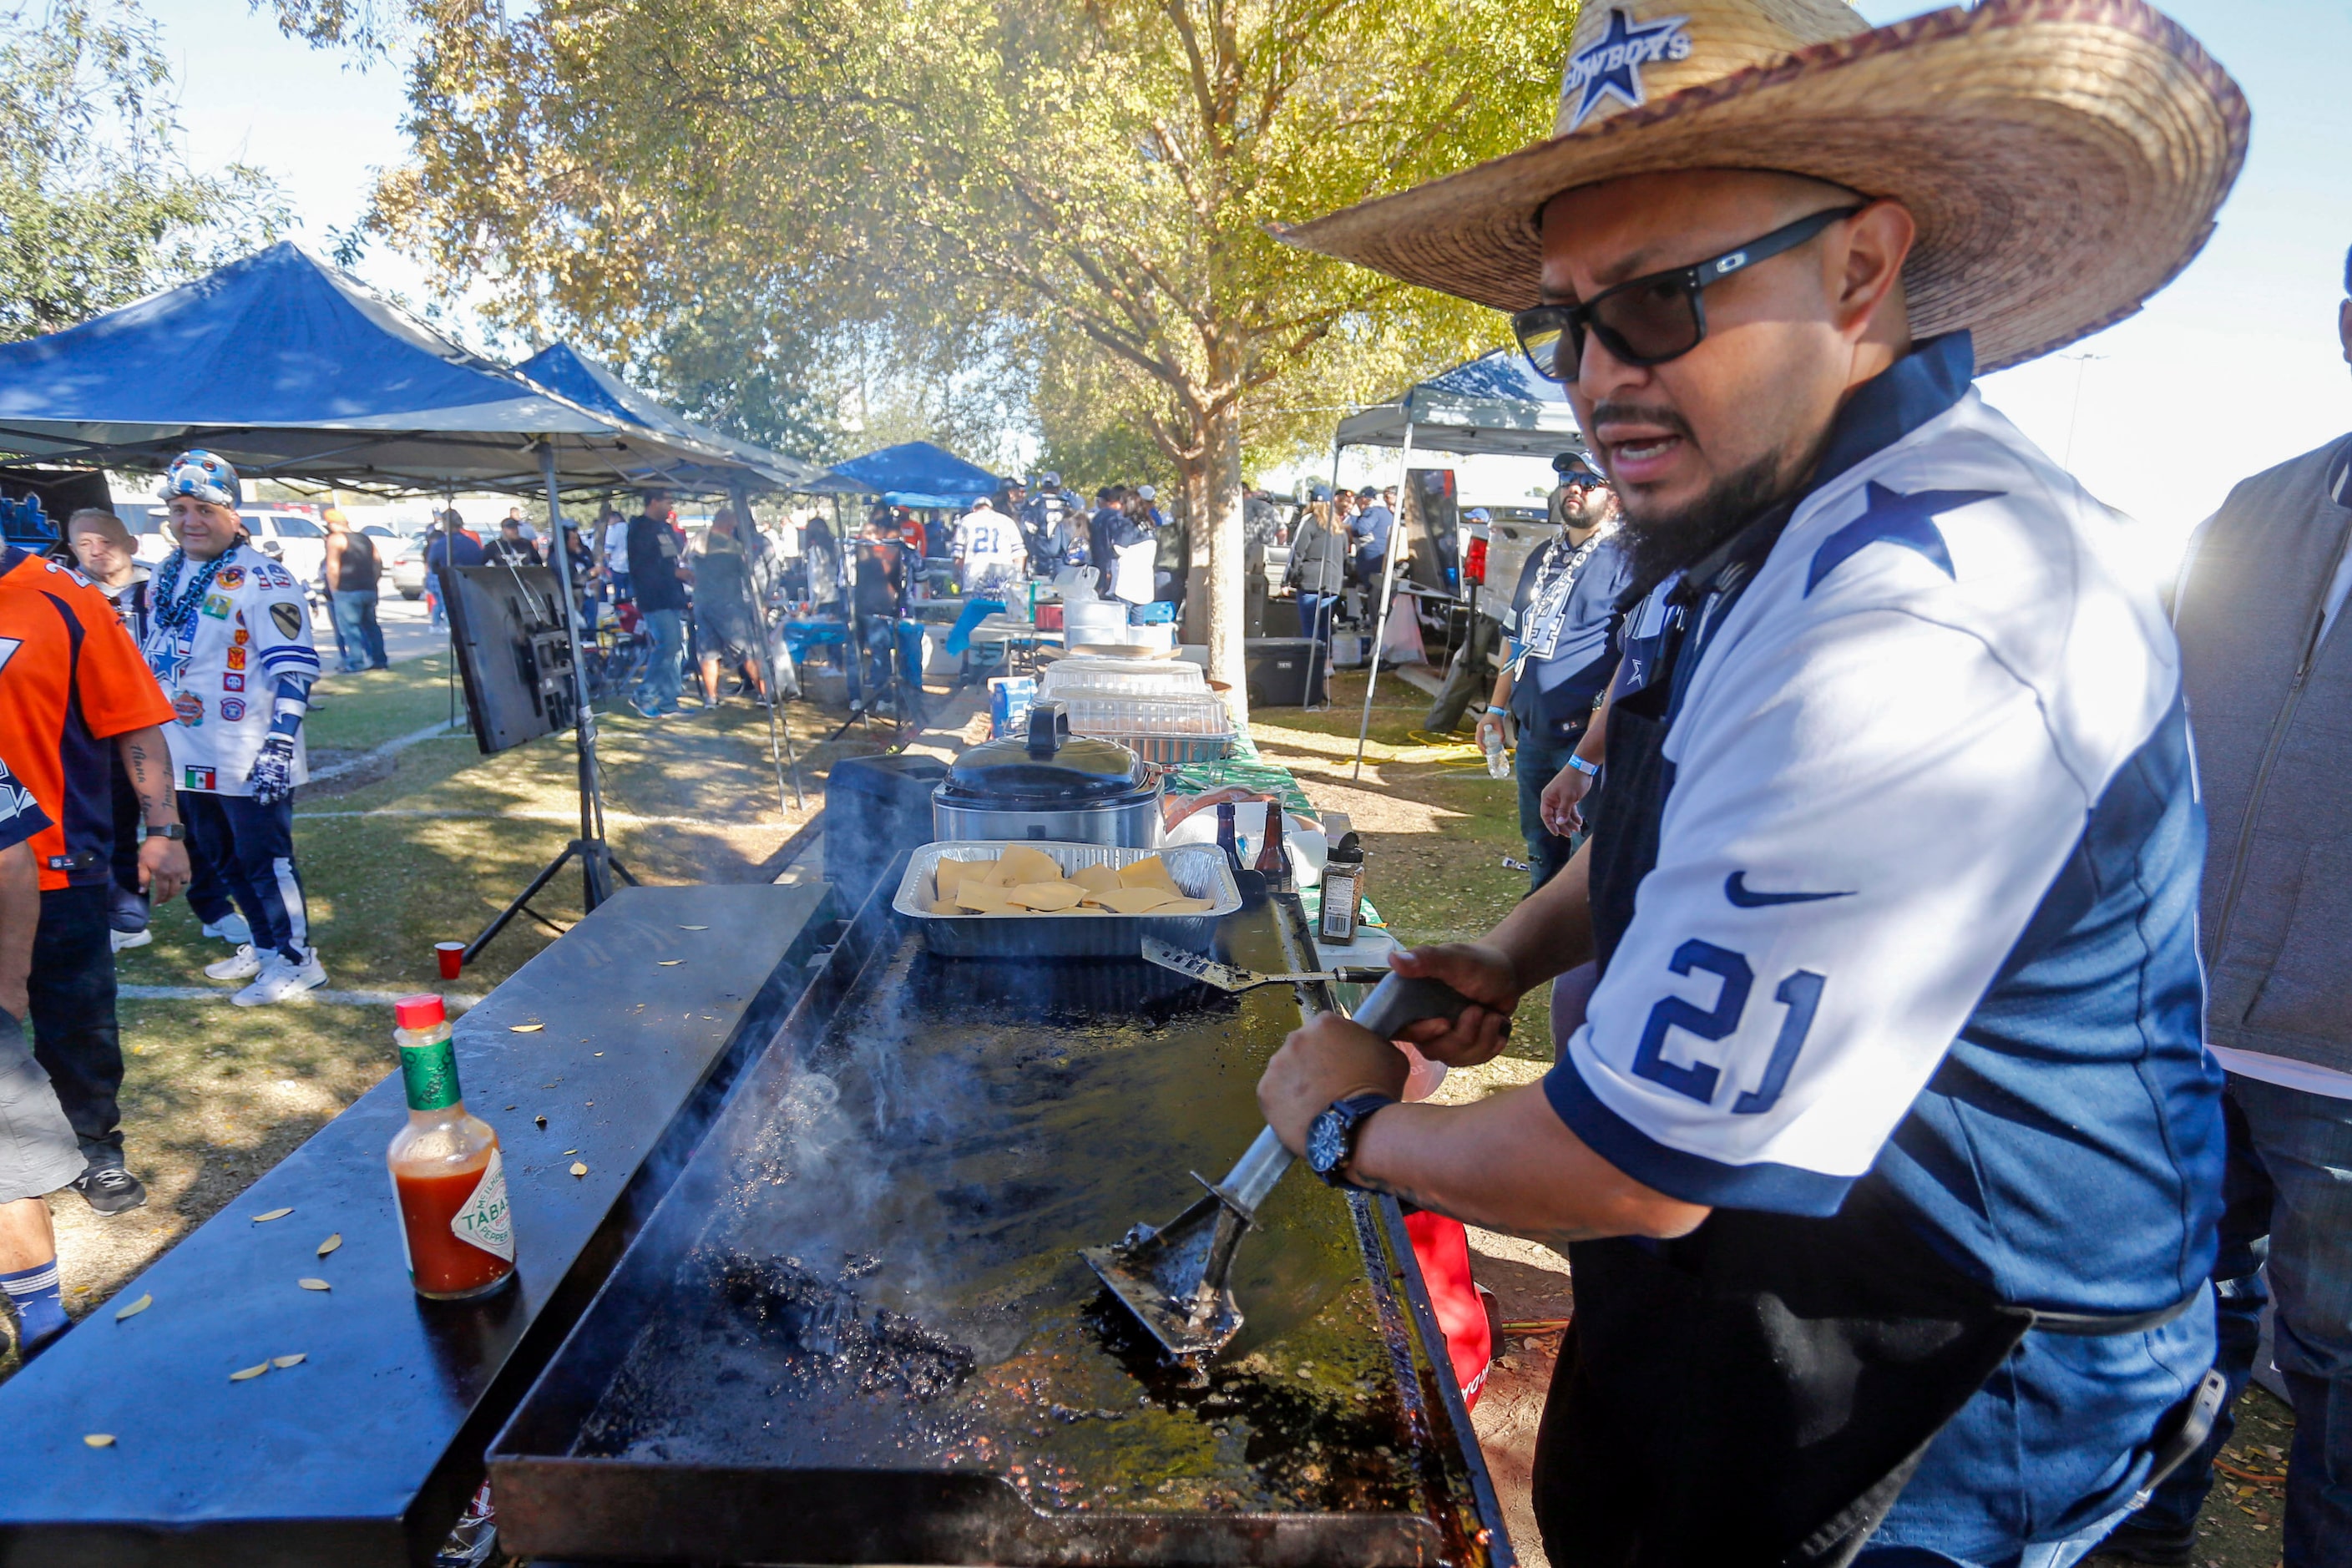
[[1201, 870]]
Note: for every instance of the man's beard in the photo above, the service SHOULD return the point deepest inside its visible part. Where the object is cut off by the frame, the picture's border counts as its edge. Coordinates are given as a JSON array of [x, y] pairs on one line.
[[1658, 543]]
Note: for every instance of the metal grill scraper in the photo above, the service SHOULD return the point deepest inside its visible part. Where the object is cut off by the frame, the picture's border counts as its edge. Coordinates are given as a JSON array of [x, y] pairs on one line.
[[1233, 977], [1176, 1278]]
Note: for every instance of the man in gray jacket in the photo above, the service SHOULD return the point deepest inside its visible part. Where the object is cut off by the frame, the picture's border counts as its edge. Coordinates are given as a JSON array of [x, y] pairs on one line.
[[2266, 656]]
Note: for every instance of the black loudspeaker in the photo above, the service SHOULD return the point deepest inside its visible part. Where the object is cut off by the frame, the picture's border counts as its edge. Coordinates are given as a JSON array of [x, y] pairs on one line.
[[506, 623], [1284, 672], [876, 808]]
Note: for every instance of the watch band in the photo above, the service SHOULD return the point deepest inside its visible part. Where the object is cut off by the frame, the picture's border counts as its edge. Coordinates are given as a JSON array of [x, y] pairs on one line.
[[173, 830], [1346, 1118]]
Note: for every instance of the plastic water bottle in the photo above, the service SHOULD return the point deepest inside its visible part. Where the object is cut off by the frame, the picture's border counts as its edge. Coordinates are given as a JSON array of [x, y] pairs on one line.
[[1498, 760]]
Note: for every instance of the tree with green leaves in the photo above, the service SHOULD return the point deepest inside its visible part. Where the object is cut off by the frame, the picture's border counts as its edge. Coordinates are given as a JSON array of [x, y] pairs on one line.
[[1073, 195], [97, 206]]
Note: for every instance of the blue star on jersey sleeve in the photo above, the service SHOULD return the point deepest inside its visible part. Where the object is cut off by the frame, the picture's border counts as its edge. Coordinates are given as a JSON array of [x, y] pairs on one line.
[[1894, 518]]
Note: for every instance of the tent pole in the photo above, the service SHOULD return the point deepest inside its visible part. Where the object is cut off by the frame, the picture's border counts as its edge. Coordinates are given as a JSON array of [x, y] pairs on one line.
[[594, 853], [744, 522], [596, 862], [1387, 580]]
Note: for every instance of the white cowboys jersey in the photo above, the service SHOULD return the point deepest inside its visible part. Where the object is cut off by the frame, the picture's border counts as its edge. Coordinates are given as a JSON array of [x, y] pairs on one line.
[[989, 551], [221, 668], [1942, 681]]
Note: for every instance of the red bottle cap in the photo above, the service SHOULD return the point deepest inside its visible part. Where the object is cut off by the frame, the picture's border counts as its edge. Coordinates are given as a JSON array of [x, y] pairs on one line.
[[418, 1012]]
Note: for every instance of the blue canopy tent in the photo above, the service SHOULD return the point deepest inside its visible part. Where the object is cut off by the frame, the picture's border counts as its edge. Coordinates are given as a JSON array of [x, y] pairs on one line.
[[916, 474], [561, 368], [293, 370], [1493, 404]]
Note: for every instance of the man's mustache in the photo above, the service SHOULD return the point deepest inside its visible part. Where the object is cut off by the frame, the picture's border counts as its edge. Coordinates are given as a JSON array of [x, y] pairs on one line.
[[1618, 411]]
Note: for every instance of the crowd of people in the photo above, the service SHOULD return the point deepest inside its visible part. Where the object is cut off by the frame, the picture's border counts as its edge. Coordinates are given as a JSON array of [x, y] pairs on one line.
[[646, 577], [151, 741]]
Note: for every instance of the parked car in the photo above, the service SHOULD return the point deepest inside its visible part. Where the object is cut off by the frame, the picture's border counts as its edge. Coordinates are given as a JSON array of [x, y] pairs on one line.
[[405, 560], [296, 542]]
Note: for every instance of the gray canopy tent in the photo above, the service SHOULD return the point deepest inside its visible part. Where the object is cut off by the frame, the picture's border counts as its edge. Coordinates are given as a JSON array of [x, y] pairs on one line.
[[291, 369], [1495, 405]]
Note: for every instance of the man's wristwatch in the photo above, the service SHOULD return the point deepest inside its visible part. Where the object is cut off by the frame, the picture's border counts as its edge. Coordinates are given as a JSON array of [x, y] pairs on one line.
[[173, 830], [1331, 1137], [1590, 770]]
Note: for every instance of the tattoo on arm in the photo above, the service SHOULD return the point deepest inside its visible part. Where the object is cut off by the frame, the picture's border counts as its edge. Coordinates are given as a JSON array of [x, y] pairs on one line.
[[147, 764]]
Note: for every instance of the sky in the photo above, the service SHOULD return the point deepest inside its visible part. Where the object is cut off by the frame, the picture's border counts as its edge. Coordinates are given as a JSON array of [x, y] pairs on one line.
[[2232, 369]]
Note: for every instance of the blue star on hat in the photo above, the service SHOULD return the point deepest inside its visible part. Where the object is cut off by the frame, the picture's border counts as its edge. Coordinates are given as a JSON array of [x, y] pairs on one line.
[[1614, 62], [1895, 518]]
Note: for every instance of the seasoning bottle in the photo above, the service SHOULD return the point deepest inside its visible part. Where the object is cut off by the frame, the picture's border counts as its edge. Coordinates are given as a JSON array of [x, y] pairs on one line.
[[1271, 862], [457, 1227], [1225, 840], [1343, 890]]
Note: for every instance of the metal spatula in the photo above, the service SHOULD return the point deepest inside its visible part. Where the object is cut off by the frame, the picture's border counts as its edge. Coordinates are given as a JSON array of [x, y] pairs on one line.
[[1175, 1277], [1233, 977]]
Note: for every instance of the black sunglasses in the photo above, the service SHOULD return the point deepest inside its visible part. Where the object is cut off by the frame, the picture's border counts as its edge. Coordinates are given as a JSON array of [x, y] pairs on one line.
[[1649, 320]]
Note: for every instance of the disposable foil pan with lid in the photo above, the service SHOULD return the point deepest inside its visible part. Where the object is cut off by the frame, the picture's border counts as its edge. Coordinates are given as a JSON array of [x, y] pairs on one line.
[[1093, 675], [1200, 870], [1167, 730]]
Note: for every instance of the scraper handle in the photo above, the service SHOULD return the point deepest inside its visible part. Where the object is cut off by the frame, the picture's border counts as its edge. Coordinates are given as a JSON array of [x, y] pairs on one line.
[[1400, 1002], [1395, 1001]]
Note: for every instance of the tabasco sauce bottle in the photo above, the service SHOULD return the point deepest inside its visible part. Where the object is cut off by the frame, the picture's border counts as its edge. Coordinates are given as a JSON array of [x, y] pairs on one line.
[[456, 1224]]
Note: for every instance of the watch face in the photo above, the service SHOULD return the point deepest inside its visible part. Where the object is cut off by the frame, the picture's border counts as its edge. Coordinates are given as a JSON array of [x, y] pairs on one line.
[[1327, 1142]]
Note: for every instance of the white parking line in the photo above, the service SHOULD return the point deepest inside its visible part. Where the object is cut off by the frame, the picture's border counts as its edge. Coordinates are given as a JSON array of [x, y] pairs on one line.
[[458, 1001]]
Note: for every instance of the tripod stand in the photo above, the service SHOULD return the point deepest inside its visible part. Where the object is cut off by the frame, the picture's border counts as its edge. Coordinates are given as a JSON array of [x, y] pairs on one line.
[[598, 865]]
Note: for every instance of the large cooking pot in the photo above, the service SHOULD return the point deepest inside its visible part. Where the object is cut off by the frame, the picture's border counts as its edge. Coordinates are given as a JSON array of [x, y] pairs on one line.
[[1048, 784]]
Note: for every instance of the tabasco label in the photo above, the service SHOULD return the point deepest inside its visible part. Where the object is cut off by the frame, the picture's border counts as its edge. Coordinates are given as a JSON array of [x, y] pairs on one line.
[[486, 1220]]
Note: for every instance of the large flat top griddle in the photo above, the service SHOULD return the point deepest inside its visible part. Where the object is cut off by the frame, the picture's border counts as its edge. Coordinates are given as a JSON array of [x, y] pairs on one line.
[[858, 1331]]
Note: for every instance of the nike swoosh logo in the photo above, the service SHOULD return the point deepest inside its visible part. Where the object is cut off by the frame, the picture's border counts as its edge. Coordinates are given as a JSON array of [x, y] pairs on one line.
[[1735, 888]]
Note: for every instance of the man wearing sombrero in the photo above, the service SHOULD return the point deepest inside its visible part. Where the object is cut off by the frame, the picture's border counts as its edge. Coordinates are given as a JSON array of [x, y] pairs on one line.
[[1886, 1152]]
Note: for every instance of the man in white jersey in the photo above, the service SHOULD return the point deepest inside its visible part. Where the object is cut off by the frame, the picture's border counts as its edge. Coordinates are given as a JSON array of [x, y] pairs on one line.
[[229, 638], [1886, 1150], [989, 551]]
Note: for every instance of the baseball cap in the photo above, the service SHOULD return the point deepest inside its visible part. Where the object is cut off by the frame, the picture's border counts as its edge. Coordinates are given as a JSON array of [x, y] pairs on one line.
[[1145, 492], [202, 475], [1477, 514], [1320, 492], [1571, 466]]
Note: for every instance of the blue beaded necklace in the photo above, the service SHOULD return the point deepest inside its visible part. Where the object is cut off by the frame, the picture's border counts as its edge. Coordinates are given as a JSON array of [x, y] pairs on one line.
[[171, 615]]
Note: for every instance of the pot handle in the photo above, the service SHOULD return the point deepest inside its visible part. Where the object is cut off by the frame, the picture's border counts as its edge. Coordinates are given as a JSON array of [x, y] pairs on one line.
[[1049, 726]]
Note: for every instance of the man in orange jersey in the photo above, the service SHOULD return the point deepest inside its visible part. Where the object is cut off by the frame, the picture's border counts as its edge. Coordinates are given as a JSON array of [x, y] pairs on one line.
[[73, 687]]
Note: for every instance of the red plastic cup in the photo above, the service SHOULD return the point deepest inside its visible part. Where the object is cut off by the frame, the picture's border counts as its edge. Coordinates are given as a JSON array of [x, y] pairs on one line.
[[452, 955]]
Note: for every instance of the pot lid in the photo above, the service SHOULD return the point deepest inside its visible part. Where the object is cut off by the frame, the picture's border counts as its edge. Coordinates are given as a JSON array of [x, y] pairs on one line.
[[1046, 767]]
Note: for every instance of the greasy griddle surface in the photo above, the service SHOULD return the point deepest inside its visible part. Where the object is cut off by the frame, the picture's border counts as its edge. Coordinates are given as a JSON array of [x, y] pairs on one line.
[[888, 1277]]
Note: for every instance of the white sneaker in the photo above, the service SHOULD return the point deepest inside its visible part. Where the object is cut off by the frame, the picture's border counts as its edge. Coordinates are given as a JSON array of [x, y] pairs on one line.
[[232, 928], [123, 939], [282, 980], [242, 964]]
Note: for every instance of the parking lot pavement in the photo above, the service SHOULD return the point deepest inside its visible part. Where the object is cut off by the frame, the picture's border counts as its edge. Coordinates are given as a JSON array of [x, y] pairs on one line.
[[408, 632]]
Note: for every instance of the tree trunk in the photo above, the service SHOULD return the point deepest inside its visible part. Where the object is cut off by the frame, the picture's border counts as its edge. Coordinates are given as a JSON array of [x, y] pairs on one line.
[[1222, 514]]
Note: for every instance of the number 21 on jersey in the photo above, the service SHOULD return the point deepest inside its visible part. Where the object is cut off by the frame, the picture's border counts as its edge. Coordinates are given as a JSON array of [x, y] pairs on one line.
[[1800, 993]]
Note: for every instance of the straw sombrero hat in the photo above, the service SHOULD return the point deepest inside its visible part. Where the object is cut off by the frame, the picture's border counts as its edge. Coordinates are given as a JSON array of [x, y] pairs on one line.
[[2064, 158]]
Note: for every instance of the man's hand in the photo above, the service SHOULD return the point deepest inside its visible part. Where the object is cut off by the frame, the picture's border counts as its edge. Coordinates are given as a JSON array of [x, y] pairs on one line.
[[1478, 1033], [272, 777], [1563, 801], [1330, 1057], [1499, 724], [163, 869]]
